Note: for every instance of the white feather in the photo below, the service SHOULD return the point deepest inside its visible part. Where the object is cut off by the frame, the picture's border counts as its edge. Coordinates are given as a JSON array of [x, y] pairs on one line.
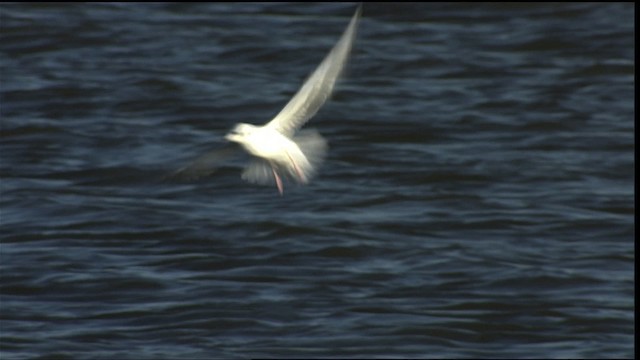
[[319, 86], [278, 153]]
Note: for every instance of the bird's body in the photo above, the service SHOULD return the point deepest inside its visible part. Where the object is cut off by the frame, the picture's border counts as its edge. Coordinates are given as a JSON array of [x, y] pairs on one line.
[[278, 149], [265, 142], [270, 147]]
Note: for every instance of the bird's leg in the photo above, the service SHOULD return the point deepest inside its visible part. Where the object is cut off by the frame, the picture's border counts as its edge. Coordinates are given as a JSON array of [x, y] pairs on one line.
[[278, 180], [296, 168]]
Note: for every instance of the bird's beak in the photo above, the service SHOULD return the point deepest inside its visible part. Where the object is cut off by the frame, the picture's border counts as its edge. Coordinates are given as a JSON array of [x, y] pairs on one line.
[[230, 137]]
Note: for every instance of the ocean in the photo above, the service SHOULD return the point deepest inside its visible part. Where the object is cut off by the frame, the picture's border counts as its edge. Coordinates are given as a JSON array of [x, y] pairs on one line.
[[477, 200]]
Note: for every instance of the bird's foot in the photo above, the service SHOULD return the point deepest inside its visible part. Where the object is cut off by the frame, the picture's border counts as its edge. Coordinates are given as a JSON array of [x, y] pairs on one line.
[[297, 169], [278, 181]]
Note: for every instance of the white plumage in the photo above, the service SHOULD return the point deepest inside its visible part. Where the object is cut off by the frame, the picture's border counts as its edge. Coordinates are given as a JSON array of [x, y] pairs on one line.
[[279, 150]]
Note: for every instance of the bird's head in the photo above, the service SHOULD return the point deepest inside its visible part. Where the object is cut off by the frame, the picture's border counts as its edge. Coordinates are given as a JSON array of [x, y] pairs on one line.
[[239, 132]]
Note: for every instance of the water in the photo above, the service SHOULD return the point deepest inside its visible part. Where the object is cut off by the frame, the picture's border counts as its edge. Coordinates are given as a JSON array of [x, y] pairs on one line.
[[477, 200]]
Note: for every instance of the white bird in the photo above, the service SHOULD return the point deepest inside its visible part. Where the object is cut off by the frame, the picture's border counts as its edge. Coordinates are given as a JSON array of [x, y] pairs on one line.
[[278, 151]]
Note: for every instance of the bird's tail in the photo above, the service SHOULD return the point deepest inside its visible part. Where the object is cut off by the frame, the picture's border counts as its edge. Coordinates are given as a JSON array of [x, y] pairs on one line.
[[314, 147]]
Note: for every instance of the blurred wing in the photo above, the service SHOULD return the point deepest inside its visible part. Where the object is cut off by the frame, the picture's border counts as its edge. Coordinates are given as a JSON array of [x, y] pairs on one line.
[[318, 87], [314, 147], [258, 171], [205, 164]]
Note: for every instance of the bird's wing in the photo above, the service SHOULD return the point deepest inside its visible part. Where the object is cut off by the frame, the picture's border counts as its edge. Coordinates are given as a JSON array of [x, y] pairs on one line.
[[258, 171], [205, 164], [318, 87]]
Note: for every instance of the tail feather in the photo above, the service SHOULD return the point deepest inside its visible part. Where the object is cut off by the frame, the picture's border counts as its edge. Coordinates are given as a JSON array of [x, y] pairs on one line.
[[313, 146]]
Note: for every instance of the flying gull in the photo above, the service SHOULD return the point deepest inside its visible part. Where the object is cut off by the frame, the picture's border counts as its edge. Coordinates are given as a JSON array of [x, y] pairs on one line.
[[279, 149]]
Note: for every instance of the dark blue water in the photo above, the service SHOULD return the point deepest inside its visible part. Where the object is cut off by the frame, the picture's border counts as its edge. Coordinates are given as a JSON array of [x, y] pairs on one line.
[[477, 200]]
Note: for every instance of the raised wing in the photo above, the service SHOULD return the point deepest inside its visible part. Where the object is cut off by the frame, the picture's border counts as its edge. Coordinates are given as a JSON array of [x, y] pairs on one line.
[[318, 87]]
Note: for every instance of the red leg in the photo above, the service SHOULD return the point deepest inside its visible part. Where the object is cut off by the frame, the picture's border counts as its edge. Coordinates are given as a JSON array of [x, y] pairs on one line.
[[297, 169], [278, 181]]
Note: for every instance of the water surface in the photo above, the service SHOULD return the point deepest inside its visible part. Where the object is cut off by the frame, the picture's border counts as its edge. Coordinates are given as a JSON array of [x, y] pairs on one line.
[[477, 200]]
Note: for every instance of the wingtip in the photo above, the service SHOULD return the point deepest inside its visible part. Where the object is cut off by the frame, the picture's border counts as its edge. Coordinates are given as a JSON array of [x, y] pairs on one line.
[[353, 24], [358, 13]]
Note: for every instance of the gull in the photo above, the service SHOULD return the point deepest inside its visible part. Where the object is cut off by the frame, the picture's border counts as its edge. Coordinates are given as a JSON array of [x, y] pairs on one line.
[[279, 149]]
